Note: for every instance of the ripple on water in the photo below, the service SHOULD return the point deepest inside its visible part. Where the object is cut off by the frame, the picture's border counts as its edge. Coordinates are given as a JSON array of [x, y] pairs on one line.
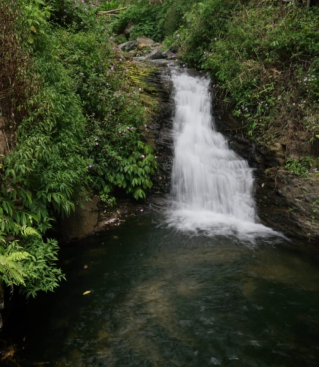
[[185, 301]]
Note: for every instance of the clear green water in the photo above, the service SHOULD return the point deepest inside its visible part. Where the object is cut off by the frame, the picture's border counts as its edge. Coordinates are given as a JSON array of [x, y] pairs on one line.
[[163, 298]]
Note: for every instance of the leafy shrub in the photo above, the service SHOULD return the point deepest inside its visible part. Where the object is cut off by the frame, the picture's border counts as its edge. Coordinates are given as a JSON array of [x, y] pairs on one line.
[[144, 20], [300, 167], [76, 14], [152, 20], [68, 137], [115, 114], [251, 48], [110, 5]]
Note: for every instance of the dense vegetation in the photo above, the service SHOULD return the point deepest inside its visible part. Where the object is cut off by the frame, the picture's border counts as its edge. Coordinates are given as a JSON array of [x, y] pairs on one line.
[[78, 122], [75, 114], [261, 54]]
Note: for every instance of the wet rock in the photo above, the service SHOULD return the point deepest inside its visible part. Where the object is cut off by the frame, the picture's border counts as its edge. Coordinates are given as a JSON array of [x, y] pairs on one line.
[[82, 223], [277, 151], [144, 42], [157, 204], [186, 323], [128, 46], [161, 128], [156, 54], [168, 53], [174, 49], [284, 201]]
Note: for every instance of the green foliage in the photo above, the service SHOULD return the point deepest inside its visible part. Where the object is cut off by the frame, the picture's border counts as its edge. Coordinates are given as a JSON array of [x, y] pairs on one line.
[[40, 266], [300, 167], [251, 48], [262, 48], [110, 5], [152, 20], [36, 13], [144, 18], [113, 106], [80, 97], [32, 266], [74, 14], [11, 264]]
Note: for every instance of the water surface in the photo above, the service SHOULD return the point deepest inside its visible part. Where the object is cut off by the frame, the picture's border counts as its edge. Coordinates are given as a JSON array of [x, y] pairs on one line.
[[165, 298]]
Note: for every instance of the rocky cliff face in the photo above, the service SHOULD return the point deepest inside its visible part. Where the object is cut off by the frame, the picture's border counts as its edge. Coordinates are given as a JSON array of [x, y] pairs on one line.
[[284, 201], [161, 127]]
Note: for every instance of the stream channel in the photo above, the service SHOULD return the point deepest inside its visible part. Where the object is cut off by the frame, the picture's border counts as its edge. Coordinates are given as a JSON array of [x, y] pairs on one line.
[[202, 284]]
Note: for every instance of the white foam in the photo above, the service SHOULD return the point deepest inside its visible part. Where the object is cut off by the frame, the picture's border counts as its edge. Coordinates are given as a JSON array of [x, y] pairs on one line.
[[211, 185]]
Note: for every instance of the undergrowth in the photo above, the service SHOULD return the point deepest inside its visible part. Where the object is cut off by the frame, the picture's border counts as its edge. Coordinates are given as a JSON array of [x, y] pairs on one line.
[[79, 122], [261, 54]]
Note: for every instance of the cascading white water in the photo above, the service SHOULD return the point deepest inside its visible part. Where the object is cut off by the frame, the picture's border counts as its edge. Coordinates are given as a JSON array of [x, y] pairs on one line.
[[211, 185]]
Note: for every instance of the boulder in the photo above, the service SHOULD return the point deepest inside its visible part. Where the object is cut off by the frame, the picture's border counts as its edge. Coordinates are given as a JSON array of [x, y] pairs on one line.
[[82, 222], [144, 42], [128, 46], [156, 54]]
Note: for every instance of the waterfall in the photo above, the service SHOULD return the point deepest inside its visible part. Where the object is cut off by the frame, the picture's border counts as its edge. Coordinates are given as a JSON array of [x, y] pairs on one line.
[[211, 185]]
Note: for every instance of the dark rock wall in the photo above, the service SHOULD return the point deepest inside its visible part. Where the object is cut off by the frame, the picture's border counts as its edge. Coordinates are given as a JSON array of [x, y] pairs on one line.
[[284, 201], [161, 127]]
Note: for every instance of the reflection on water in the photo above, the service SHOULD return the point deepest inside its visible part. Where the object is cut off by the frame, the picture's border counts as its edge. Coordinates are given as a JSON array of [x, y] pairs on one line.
[[162, 298]]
